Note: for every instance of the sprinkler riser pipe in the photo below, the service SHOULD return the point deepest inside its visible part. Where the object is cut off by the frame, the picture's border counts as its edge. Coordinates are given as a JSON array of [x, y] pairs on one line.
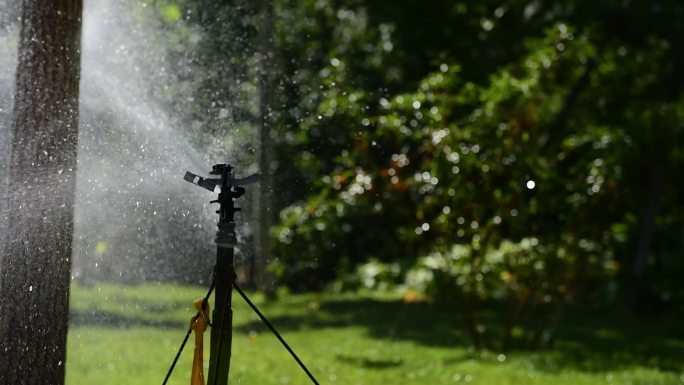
[[221, 331], [225, 236]]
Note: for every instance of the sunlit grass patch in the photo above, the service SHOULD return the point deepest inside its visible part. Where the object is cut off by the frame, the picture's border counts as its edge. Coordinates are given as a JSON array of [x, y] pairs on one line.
[[129, 335]]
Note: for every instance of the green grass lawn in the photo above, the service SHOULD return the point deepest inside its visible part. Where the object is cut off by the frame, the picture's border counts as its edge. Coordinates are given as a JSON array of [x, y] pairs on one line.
[[130, 334]]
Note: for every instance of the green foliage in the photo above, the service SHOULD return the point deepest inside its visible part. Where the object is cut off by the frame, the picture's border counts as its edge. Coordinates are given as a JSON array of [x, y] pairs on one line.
[[541, 147], [533, 280], [527, 282], [170, 12], [405, 134], [445, 164]]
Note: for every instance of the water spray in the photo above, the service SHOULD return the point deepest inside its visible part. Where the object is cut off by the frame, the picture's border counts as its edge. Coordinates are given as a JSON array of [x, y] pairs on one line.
[[221, 176]]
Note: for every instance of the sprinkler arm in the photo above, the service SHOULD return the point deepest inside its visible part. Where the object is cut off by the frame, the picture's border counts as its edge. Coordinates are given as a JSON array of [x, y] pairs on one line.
[[229, 189], [211, 183]]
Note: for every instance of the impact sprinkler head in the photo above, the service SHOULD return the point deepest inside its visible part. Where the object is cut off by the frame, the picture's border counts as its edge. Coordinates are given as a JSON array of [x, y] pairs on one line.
[[231, 189]]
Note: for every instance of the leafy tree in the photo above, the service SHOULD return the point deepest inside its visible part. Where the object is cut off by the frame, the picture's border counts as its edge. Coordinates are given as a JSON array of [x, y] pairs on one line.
[[541, 151], [399, 130]]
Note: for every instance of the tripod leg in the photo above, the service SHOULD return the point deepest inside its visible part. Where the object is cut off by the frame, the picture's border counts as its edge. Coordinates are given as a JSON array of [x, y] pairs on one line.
[[275, 332]]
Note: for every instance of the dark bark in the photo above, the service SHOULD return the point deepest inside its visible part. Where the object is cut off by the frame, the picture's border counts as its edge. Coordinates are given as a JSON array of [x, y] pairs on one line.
[[559, 126], [648, 222], [639, 297], [36, 259], [472, 307], [516, 304], [262, 278]]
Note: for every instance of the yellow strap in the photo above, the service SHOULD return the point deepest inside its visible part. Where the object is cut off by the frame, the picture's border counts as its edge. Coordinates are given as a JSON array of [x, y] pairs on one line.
[[198, 323]]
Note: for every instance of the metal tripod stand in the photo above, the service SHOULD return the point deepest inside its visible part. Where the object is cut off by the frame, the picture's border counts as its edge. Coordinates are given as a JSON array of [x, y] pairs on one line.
[[224, 274], [226, 239]]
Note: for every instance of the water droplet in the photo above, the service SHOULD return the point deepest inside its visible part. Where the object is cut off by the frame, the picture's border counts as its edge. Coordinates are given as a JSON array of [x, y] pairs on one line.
[[530, 184]]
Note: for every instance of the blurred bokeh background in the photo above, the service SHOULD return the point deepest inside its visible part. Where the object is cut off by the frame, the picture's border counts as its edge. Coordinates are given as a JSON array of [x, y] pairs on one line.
[[453, 191]]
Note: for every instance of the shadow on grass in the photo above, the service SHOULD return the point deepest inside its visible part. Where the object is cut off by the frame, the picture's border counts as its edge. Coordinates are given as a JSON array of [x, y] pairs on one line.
[[369, 363], [584, 341], [428, 324], [608, 341], [106, 319]]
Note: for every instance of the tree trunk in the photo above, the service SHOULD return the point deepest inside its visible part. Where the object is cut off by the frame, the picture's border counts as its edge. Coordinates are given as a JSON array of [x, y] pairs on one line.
[[648, 222], [639, 298], [264, 201], [36, 259]]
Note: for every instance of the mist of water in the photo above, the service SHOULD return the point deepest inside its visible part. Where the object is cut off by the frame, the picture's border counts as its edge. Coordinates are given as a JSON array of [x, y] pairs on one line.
[[8, 63], [136, 219]]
